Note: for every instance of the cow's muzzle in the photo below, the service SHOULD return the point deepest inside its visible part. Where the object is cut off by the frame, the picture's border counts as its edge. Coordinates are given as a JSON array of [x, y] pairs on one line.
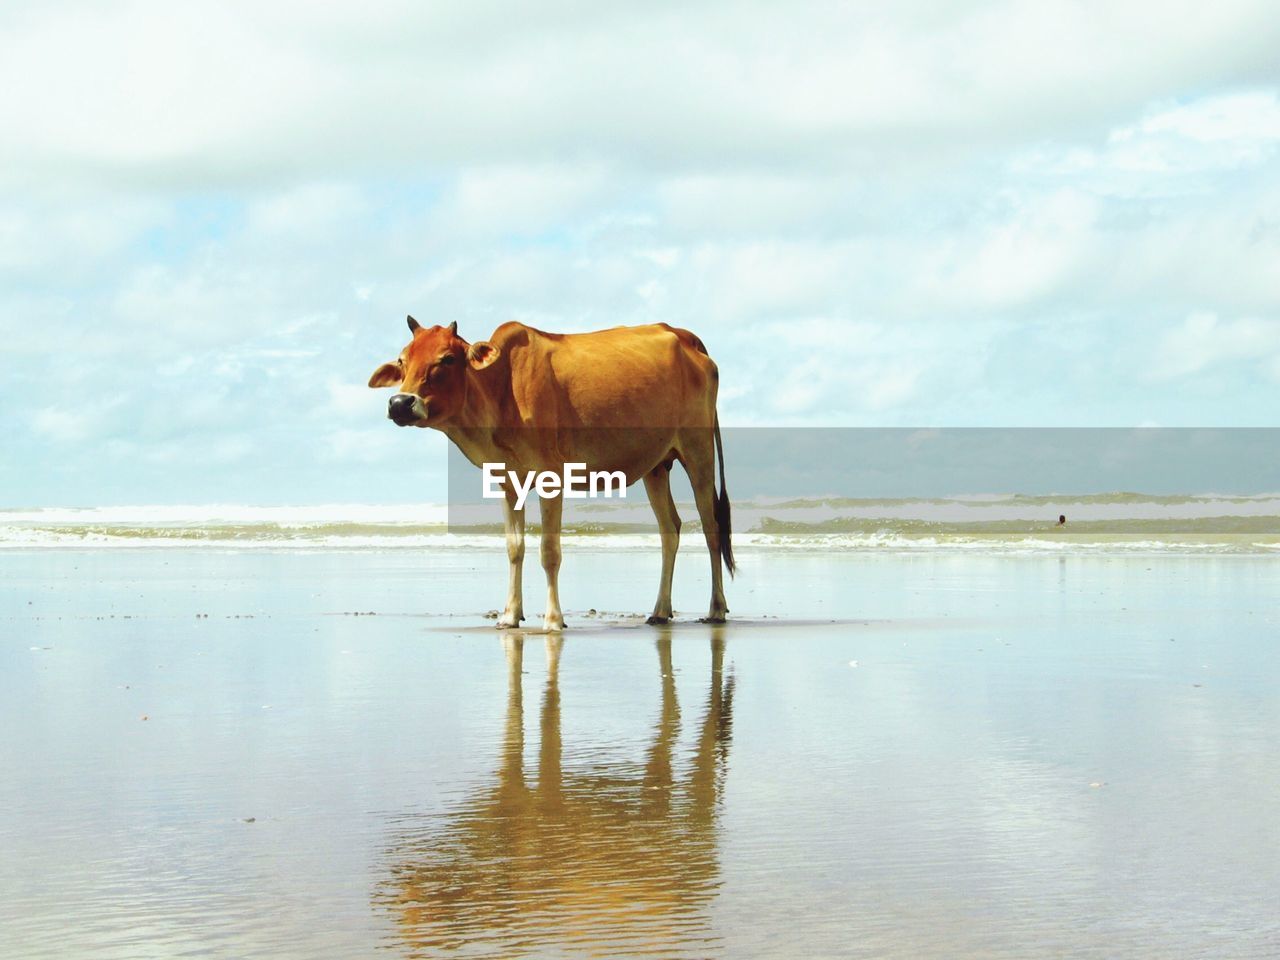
[[400, 409]]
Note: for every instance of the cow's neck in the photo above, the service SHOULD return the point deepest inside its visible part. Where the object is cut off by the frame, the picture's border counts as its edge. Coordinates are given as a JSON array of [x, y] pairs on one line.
[[476, 429]]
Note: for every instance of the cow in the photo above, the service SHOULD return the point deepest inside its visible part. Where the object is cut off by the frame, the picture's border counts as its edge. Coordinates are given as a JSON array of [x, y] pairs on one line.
[[627, 399]]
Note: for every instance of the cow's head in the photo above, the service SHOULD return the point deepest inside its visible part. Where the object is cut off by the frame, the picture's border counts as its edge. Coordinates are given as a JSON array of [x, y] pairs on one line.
[[432, 375]]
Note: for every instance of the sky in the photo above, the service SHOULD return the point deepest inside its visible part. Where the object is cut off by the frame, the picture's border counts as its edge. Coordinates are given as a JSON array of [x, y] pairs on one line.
[[214, 218]]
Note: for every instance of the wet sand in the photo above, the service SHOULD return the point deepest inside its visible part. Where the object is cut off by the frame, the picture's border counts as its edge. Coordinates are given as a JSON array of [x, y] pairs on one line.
[[333, 754]]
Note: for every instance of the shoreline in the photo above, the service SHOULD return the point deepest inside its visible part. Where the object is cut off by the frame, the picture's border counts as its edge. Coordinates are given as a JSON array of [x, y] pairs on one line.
[[1037, 543]]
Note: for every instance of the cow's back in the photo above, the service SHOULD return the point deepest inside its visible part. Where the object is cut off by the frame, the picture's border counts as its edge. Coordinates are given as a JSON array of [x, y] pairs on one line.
[[654, 376]]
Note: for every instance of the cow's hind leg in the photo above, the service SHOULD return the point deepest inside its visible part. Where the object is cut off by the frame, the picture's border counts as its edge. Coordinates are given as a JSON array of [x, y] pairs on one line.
[[551, 511], [657, 484], [698, 457], [513, 526]]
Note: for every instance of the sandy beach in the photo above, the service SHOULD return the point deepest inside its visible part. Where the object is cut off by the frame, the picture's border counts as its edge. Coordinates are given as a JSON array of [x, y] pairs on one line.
[[333, 754]]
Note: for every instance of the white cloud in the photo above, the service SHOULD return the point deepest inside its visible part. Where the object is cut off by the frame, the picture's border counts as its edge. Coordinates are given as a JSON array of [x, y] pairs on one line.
[[353, 400], [60, 425], [361, 446], [219, 214], [308, 212], [1251, 117], [218, 92], [1028, 255], [53, 235], [769, 278], [1175, 150], [664, 257], [892, 384], [831, 369], [1203, 341], [519, 199], [76, 420], [230, 449], [733, 204], [113, 90]]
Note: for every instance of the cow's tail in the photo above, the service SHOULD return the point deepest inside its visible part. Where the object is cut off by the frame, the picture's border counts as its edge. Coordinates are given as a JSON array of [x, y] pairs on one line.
[[723, 525]]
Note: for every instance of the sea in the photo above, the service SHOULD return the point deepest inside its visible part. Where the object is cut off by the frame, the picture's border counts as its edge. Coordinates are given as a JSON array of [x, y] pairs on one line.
[[1103, 523]]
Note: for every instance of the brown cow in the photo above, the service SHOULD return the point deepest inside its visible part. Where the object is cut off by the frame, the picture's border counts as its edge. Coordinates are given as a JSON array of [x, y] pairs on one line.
[[628, 399]]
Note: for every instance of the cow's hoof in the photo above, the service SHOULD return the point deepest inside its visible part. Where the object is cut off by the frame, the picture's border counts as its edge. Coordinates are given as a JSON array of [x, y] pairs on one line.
[[657, 621], [711, 619], [553, 624], [508, 622]]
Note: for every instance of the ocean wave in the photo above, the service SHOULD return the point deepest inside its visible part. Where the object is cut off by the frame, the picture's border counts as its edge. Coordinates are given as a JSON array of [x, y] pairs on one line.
[[198, 515], [1005, 524]]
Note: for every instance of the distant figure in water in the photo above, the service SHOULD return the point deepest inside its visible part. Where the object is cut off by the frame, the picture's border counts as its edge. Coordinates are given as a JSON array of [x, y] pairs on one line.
[[1062, 519]]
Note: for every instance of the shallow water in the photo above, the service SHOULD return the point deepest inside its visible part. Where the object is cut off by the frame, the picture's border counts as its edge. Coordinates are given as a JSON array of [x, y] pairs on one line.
[[901, 756]]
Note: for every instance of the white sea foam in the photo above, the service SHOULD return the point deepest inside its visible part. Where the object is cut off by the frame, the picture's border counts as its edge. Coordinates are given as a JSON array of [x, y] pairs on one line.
[[1122, 523], [213, 514]]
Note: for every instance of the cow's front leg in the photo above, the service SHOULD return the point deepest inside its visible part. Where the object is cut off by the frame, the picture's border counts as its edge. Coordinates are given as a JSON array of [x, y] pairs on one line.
[[552, 509], [513, 525]]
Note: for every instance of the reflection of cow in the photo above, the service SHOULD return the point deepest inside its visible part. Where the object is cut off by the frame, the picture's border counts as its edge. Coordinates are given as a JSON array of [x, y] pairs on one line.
[[609, 858], [631, 399]]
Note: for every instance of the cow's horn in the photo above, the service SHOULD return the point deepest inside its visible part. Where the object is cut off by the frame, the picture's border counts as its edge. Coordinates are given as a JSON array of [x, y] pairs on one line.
[[414, 326], [453, 328]]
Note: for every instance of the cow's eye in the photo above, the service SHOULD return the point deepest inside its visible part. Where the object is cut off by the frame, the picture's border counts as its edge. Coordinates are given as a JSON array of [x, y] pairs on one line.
[[446, 360]]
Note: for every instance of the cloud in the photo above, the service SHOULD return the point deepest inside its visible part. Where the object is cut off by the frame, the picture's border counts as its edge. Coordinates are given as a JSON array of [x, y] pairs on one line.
[[1175, 149], [512, 199], [307, 213], [69, 237], [237, 92], [1203, 341], [733, 204], [1027, 255], [59, 425], [352, 401], [360, 446], [73, 420], [829, 369], [217, 215], [1251, 117]]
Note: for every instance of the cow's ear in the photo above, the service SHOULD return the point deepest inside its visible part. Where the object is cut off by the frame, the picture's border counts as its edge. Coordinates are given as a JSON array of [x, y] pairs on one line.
[[481, 354], [387, 375]]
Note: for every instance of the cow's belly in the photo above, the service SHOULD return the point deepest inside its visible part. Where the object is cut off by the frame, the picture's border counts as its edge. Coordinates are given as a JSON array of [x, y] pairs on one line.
[[632, 450]]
